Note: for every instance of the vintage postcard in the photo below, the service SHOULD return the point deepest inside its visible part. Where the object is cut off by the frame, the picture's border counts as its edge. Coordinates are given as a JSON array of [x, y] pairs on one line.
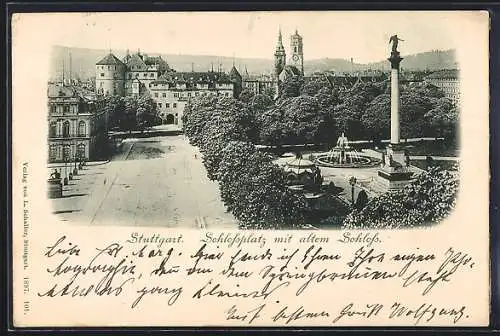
[[250, 169]]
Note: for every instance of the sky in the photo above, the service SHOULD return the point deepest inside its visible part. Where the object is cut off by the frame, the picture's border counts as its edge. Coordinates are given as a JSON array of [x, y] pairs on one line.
[[362, 36]]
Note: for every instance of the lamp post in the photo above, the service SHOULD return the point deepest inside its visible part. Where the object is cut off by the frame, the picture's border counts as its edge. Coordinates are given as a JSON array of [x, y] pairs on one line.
[[352, 182], [65, 158]]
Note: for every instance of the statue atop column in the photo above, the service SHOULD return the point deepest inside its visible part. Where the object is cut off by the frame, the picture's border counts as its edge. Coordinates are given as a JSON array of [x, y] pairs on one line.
[[394, 39]]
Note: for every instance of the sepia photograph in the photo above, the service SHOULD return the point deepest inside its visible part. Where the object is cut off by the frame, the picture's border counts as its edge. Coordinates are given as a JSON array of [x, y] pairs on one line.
[[277, 130]]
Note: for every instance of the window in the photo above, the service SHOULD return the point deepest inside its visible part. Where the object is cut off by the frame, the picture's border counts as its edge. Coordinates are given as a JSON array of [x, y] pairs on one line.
[[164, 95], [65, 109], [82, 128], [145, 75], [136, 75], [167, 105], [129, 76], [156, 94], [151, 75], [80, 151], [175, 105], [102, 74], [52, 152], [159, 105], [176, 95], [66, 153], [53, 129], [109, 67], [66, 129], [52, 108], [189, 94]]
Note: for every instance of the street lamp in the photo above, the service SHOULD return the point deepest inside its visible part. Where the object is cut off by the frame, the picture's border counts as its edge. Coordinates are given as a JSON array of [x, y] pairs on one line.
[[65, 158], [352, 182]]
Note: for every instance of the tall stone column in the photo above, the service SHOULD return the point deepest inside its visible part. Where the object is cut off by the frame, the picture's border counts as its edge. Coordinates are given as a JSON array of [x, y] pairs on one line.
[[393, 175], [395, 60]]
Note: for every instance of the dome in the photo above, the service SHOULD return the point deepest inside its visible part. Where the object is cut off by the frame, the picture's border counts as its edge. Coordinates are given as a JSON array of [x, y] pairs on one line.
[[301, 171]]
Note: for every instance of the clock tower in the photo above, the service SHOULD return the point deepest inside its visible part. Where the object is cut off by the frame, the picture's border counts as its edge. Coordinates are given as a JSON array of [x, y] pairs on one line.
[[279, 56], [297, 50]]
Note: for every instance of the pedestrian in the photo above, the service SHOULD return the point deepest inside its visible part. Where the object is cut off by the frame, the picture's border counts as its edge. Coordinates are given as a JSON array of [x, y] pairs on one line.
[[104, 181], [196, 156]]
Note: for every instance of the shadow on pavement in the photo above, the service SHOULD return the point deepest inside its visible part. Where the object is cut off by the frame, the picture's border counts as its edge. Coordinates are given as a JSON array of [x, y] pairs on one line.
[[65, 211], [73, 195]]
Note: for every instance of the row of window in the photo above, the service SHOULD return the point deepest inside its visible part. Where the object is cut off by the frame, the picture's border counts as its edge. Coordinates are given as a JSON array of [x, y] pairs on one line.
[[59, 108], [167, 105], [110, 67], [64, 152], [189, 94], [54, 132]]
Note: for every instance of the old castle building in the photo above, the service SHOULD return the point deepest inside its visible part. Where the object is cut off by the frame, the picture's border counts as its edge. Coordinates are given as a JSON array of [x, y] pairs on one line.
[[138, 74]]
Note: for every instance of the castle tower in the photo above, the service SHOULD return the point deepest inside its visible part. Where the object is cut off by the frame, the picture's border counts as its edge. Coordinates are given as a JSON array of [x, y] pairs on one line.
[[279, 56], [110, 76], [297, 50], [237, 80]]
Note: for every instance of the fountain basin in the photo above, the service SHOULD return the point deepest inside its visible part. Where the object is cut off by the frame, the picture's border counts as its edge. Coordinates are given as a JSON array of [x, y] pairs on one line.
[[352, 159]]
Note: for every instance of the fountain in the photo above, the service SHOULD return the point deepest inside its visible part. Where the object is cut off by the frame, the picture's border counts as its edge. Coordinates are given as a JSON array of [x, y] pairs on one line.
[[343, 156]]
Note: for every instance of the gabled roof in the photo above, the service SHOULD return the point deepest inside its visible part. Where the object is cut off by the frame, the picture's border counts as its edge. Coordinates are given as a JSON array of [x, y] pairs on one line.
[[234, 72], [110, 59], [136, 63], [292, 70]]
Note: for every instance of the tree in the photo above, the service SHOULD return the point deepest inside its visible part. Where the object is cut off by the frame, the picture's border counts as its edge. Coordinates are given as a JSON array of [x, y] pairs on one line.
[[246, 95], [429, 199], [196, 114], [414, 106], [290, 87], [129, 121], [146, 111], [443, 119], [376, 119], [313, 85], [115, 108], [260, 103]]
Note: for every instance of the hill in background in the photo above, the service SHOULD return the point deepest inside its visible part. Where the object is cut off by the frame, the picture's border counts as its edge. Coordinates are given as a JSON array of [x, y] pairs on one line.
[[83, 62]]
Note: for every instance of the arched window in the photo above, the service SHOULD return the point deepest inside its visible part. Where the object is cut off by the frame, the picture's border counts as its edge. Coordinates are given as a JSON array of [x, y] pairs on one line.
[[52, 152], [53, 129], [66, 129], [82, 128], [66, 153], [80, 151]]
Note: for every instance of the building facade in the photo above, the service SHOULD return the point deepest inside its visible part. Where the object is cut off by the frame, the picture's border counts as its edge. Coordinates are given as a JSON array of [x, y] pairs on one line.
[[77, 124], [448, 81], [173, 90]]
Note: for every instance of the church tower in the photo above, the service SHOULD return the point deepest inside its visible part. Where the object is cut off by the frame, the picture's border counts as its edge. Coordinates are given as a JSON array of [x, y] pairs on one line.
[[297, 50], [279, 56]]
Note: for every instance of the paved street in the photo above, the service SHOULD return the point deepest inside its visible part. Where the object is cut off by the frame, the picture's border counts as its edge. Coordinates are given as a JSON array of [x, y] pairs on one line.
[[154, 182]]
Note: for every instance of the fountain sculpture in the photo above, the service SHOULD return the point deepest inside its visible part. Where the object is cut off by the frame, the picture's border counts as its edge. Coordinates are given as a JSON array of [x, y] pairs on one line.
[[343, 156]]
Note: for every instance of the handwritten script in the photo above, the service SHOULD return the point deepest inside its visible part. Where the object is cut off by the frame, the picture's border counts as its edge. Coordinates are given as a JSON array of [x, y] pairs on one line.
[[254, 282]]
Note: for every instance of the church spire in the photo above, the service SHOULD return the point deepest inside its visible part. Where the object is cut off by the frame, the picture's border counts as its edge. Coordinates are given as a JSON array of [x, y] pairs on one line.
[[279, 44]]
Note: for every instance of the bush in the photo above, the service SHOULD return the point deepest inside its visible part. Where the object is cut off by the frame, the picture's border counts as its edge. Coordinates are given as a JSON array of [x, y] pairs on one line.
[[429, 199]]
